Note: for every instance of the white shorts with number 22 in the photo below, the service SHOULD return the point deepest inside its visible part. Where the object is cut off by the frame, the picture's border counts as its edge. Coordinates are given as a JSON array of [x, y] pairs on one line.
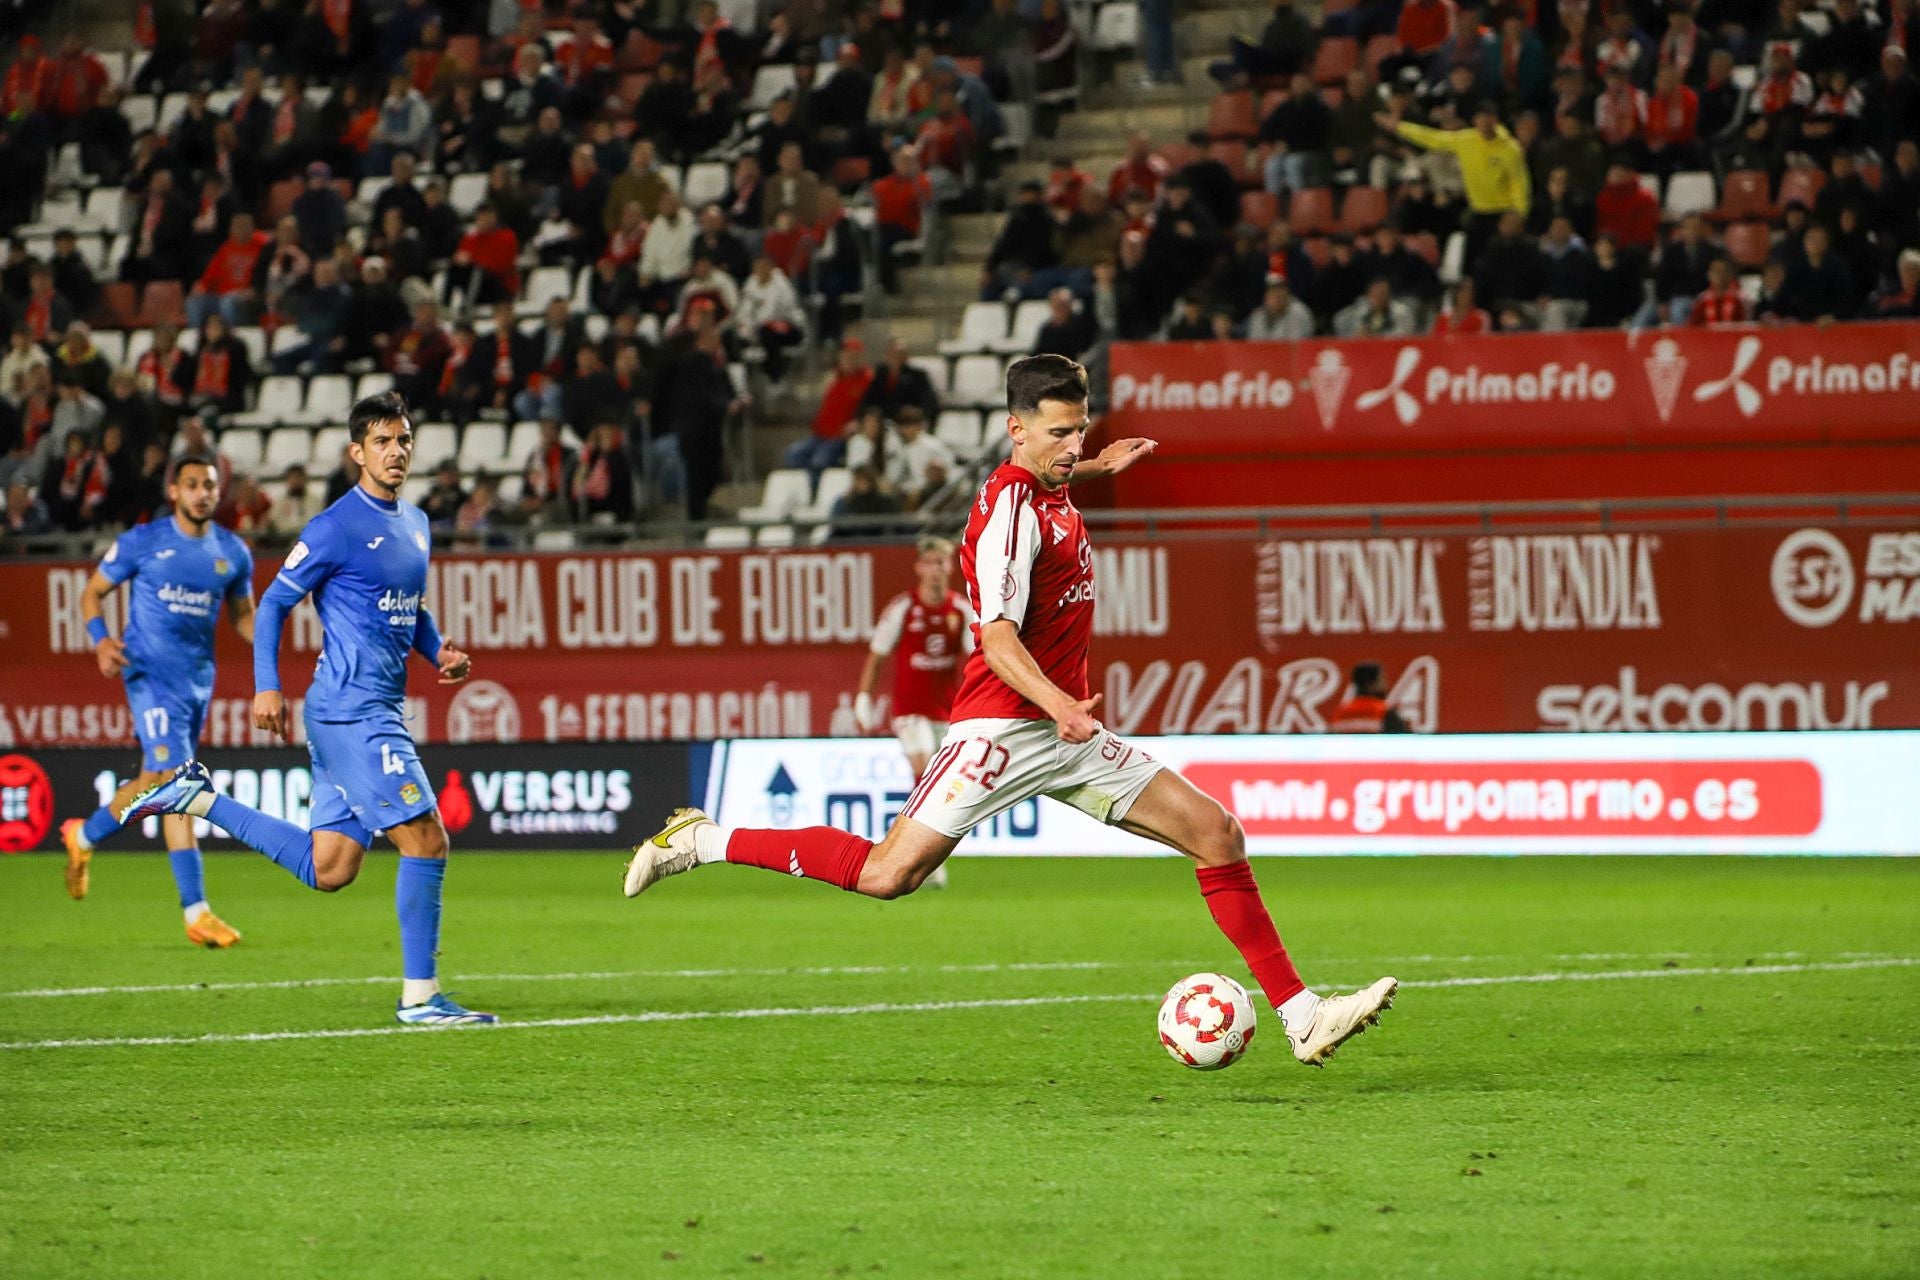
[[985, 767]]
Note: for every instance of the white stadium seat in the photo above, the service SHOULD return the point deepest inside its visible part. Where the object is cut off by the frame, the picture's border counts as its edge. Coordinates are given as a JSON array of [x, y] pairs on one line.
[[435, 444], [329, 400], [326, 445], [1690, 192], [935, 367], [279, 401], [372, 384], [1025, 330], [833, 484], [960, 430], [982, 326], [977, 380], [786, 491], [286, 447], [242, 447], [483, 449], [774, 535], [706, 182], [729, 536]]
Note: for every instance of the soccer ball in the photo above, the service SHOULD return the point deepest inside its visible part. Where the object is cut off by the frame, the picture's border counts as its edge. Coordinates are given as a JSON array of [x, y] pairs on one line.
[[1206, 1021]]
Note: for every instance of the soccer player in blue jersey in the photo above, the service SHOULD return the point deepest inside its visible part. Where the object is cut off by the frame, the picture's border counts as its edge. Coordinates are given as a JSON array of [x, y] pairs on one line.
[[364, 561], [179, 570]]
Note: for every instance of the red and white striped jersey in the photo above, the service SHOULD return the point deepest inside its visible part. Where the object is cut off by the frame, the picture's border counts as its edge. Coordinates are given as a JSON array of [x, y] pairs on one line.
[[1026, 558], [928, 642]]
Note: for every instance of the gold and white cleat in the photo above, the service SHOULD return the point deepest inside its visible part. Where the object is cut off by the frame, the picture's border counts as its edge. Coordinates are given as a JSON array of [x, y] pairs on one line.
[[666, 854], [78, 856], [210, 931], [1339, 1019]]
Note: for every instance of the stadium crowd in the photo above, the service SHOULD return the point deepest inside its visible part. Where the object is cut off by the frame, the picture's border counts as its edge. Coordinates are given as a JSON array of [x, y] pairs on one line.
[[377, 188], [1519, 154]]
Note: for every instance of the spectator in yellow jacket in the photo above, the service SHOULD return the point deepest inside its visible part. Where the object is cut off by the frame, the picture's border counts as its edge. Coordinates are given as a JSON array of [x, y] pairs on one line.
[[1492, 164]]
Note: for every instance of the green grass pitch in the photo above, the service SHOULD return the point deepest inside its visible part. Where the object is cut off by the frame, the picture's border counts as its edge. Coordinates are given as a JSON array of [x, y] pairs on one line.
[[1738, 1100]]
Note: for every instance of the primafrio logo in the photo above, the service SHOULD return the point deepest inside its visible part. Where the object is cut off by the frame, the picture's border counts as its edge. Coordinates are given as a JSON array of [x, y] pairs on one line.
[[1471, 386], [1812, 577]]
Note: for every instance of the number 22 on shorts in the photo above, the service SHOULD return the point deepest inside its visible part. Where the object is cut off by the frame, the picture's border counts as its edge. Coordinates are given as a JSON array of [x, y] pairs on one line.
[[993, 761]]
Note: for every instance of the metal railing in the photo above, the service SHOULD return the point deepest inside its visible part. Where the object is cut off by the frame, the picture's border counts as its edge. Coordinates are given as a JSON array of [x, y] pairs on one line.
[[1410, 519]]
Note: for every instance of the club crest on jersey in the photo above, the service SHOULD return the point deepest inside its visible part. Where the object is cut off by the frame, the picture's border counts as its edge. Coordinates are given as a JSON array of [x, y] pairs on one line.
[[300, 552], [410, 793], [221, 566], [1009, 586], [419, 539], [161, 754]]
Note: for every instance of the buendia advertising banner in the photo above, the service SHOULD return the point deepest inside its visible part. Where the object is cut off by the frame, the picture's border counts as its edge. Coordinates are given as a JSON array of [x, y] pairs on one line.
[[1688, 629]]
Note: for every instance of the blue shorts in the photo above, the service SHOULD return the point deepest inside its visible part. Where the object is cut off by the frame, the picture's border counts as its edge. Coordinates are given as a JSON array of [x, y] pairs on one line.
[[366, 774], [167, 722]]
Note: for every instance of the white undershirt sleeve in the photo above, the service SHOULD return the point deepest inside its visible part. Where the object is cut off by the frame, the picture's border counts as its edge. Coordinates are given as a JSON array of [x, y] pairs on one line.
[[1003, 558], [886, 632]]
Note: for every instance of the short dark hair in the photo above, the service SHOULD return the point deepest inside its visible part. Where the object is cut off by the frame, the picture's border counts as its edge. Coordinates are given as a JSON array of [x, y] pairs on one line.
[[385, 407], [1038, 378], [194, 460]]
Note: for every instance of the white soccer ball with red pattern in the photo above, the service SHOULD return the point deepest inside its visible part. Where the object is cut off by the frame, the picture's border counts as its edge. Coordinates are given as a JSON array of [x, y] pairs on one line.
[[1206, 1021]]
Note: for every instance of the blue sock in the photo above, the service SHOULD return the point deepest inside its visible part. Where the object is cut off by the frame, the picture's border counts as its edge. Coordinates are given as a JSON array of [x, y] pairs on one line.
[[101, 825], [416, 900], [186, 875], [281, 841]]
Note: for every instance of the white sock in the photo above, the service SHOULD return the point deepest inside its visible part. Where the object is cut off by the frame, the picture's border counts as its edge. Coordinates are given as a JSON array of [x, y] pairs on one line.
[[710, 843], [418, 990], [80, 838], [1297, 1010], [197, 910], [199, 805]]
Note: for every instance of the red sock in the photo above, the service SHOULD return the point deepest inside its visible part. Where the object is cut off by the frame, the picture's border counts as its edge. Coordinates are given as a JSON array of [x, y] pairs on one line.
[[1234, 899], [816, 853]]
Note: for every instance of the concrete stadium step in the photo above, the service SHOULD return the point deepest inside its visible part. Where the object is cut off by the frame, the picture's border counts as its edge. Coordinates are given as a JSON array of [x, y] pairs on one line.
[[1107, 127]]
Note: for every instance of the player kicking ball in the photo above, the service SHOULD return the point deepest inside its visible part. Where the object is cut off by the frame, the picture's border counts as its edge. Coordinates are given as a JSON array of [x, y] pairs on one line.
[[178, 570], [927, 632], [1023, 725], [364, 561]]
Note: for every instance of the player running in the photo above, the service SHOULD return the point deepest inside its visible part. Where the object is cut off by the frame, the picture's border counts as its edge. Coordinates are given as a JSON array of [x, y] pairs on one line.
[[927, 632], [1023, 725], [179, 569], [364, 560]]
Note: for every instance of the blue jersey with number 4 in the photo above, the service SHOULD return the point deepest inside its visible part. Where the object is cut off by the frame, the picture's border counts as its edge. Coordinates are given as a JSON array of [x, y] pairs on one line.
[[178, 583], [365, 562]]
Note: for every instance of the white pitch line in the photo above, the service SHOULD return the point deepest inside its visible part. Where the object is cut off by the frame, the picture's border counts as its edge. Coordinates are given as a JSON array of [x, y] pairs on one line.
[[918, 1006], [293, 984]]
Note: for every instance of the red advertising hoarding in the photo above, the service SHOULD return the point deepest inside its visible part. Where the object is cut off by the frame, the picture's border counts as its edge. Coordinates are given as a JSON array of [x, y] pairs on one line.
[[1795, 409], [1687, 629]]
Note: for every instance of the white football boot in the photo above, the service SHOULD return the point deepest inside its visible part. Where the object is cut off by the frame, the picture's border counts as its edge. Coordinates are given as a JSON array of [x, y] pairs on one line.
[[666, 854], [1338, 1019]]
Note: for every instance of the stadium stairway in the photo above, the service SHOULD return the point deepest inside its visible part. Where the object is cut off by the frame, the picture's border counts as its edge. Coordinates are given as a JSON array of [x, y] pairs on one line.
[[933, 295]]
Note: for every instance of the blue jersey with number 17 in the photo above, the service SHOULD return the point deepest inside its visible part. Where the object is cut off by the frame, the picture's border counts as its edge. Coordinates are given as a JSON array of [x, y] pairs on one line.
[[179, 583], [365, 562]]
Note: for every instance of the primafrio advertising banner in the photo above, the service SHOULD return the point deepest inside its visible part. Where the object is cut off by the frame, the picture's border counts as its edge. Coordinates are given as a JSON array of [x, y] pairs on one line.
[[1762, 793], [1690, 629]]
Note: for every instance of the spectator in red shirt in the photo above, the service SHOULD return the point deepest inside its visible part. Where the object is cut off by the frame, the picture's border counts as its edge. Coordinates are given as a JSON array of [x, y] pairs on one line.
[[1673, 114], [246, 509], [26, 78], [826, 444], [1627, 210], [74, 81], [1142, 170], [1463, 317], [1064, 183], [900, 201], [419, 355], [486, 265], [946, 146], [226, 286], [1720, 303]]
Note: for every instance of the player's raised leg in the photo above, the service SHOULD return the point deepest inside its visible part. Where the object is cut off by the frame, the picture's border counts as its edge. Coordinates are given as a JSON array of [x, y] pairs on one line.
[[1174, 812], [893, 868]]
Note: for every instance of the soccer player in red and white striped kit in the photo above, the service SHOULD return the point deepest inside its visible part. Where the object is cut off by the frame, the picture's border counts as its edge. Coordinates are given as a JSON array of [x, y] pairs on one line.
[[1023, 725], [924, 635]]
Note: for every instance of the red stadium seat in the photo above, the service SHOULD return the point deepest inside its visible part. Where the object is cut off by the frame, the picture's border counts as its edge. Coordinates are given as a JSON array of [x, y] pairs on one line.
[[1338, 55], [162, 303], [632, 85], [1745, 195], [1748, 243], [464, 50], [1234, 156], [1271, 99], [1379, 49], [1333, 95], [851, 171], [1230, 116], [1802, 185], [1318, 251], [1870, 174], [1178, 155], [1364, 209], [120, 304], [1311, 211], [1258, 209], [1427, 245]]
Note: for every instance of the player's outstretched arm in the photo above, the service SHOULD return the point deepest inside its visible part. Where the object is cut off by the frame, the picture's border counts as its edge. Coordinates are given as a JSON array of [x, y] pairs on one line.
[[1114, 459], [108, 650], [1009, 659], [269, 704]]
